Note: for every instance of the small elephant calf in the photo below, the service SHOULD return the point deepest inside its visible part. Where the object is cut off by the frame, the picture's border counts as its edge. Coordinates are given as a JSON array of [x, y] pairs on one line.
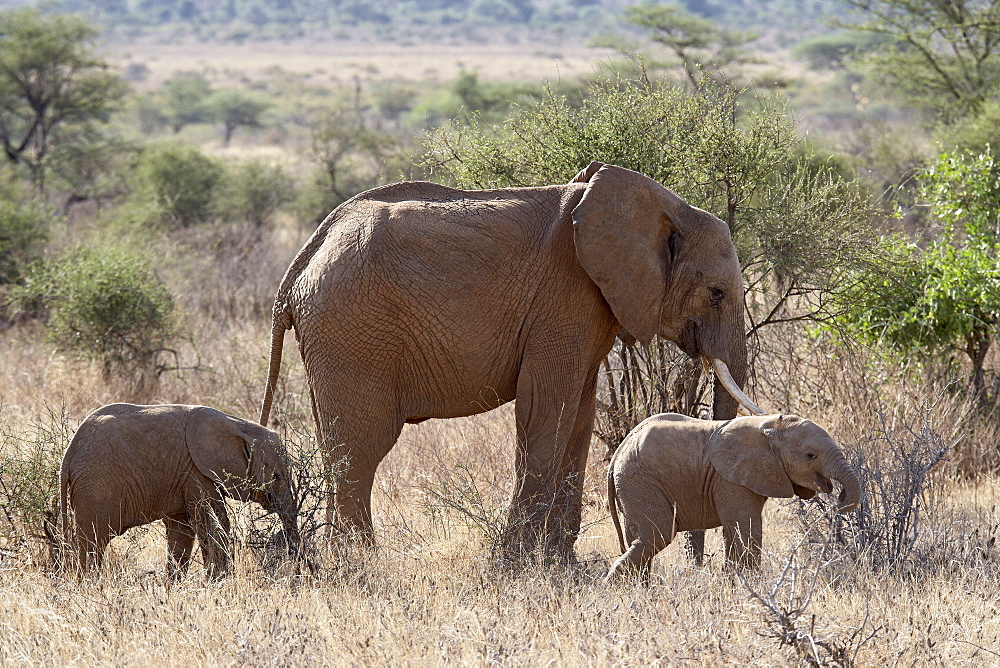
[[676, 473], [130, 465]]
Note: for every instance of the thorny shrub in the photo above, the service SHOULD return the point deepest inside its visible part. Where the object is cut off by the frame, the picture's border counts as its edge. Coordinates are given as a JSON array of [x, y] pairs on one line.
[[900, 464], [310, 482], [29, 487], [787, 620]]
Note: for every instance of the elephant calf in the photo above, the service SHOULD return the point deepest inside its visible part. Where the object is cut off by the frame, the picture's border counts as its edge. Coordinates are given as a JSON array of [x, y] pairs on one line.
[[676, 473], [131, 465]]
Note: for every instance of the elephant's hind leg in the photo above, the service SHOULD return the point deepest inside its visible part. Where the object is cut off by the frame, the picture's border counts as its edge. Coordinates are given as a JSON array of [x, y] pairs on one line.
[[651, 539], [637, 560], [353, 448], [180, 542]]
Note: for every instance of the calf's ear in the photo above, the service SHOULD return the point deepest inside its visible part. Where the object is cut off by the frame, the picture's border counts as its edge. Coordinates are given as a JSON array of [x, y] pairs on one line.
[[218, 448], [742, 453]]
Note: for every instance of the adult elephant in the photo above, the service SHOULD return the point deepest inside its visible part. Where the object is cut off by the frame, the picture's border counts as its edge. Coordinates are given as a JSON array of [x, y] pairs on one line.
[[415, 301]]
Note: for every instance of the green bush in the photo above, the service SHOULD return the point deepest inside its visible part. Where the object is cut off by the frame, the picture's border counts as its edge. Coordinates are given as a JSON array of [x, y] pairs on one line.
[[23, 232], [977, 132], [254, 192], [102, 304], [948, 301], [468, 95], [149, 113], [181, 182]]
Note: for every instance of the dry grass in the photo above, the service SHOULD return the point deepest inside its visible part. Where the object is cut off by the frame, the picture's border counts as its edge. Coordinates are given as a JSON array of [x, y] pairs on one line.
[[431, 593]]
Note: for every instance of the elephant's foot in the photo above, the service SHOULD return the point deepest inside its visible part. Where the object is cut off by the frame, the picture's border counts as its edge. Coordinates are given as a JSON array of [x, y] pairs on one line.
[[540, 532], [634, 564]]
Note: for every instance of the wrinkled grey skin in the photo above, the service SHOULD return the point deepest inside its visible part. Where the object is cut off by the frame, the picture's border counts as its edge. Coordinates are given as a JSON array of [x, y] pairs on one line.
[[130, 465], [676, 473], [416, 301]]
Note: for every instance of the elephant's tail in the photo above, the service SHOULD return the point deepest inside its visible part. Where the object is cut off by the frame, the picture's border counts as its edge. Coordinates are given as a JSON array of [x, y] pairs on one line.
[[613, 506], [281, 322]]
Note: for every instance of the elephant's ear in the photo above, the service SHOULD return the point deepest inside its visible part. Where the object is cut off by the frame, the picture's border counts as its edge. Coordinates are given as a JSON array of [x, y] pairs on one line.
[[742, 453], [620, 228], [218, 448]]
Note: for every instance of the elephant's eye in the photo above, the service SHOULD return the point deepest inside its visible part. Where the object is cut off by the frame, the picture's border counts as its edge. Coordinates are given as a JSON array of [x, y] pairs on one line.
[[810, 455], [716, 296]]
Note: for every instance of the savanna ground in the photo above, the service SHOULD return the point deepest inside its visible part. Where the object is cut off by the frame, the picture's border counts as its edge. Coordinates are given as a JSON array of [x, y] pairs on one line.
[[914, 582]]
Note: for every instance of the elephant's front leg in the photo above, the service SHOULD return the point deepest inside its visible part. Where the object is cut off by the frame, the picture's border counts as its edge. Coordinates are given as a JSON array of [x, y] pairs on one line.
[[545, 424], [742, 533], [212, 527], [564, 527]]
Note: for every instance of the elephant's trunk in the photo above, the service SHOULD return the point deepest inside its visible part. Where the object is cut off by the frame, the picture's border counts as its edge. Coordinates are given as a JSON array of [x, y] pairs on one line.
[[283, 504], [290, 523], [731, 370], [847, 476]]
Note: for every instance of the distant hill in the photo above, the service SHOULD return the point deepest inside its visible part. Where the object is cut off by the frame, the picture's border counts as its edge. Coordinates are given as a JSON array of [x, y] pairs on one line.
[[787, 21]]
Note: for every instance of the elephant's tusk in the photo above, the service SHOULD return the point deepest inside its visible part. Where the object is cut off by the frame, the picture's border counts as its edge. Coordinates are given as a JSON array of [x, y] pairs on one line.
[[726, 378]]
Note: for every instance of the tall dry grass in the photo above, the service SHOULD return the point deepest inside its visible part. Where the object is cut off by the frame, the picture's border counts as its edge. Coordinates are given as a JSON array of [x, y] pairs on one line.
[[431, 593]]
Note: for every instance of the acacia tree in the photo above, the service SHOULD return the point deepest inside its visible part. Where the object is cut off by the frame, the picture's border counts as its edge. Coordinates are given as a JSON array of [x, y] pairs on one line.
[[341, 138], [52, 86], [944, 54], [236, 108], [185, 100], [949, 299], [701, 47]]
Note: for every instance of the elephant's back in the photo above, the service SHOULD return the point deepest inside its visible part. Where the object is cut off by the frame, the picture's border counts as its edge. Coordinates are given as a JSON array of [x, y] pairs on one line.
[[411, 248], [429, 292], [407, 191], [124, 459]]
